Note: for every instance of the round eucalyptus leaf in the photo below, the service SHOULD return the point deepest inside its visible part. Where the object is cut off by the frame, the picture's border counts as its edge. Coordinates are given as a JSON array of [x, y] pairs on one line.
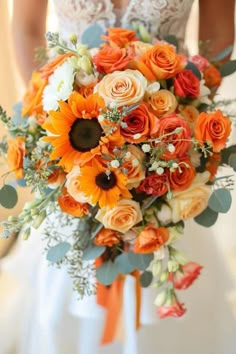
[[58, 252], [146, 279], [92, 36], [220, 200], [123, 263], [194, 69], [107, 273], [8, 196], [207, 218], [140, 261], [93, 252], [232, 161]]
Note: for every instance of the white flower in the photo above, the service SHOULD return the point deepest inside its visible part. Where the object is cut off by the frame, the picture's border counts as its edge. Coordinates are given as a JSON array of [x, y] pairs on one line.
[[160, 170], [152, 88], [146, 147], [115, 163], [164, 214], [204, 93], [59, 87]]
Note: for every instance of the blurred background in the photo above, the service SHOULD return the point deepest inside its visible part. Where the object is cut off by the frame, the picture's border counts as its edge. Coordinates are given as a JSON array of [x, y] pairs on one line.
[[217, 253]]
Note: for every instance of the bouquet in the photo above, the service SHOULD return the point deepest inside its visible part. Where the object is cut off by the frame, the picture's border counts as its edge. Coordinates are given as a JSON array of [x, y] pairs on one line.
[[121, 144]]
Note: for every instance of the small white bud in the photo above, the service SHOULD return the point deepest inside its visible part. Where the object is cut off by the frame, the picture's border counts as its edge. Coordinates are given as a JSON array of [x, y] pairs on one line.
[[171, 148], [101, 118], [137, 136], [128, 155], [115, 163], [161, 298], [113, 105], [135, 163], [160, 170], [146, 147]]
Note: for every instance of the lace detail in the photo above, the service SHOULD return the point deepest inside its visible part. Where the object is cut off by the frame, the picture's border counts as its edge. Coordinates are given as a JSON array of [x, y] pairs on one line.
[[161, 17]]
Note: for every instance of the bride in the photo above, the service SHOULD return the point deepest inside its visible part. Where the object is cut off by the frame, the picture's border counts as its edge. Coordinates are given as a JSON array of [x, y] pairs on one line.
[[53, 321]]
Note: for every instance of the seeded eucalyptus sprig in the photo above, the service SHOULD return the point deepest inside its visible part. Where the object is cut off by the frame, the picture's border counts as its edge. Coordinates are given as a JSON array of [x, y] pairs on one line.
[[55, 42]]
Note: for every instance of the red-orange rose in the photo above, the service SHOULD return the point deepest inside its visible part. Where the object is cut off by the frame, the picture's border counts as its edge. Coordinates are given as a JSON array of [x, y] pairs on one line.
[[186, 84], [154, 184], [212, 164], [212, 76], [213, 128], [141, 124], [150, 239], [70, 206], [184, 277], [110, 59], [119, 37], [181, 178], [107, 237], [180, 140]]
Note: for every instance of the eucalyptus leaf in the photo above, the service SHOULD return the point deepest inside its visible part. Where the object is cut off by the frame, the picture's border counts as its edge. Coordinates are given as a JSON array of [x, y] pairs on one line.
[[140, 261], [224, 53], [92, 36], [207, 218], [123, 263], [8, 196], [232, 161], [225, 153], [146, 279], [21, 182], [172, 39], [194, 69], [228, 68], [107, 273], [58, 252], [220, 200], [93, 252]]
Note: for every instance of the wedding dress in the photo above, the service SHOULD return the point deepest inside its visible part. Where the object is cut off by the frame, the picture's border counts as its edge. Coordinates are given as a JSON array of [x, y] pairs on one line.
[[52, 319]]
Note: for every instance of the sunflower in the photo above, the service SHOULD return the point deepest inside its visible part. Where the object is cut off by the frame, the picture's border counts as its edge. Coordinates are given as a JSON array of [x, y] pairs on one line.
[[77, 133], [104, 187]]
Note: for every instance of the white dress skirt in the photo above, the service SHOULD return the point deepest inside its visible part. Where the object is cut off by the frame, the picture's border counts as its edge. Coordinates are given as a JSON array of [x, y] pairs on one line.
[[40, 313]]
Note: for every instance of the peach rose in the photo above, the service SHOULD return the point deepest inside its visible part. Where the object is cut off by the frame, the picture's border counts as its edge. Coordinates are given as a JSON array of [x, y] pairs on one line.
[[15, 156], [162, 102], [140, 124], [73, 186], [192, 201], [140, 48], [180, 140], [32, 101], [122, 217], [110, 59], [107, 237], [70, 206], [136, 172], [160, 62], [122, 87], [182, 177], [213, 128], [150, 239], [120, 37]]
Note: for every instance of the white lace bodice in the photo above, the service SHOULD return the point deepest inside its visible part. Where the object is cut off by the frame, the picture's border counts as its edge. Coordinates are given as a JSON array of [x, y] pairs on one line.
[[161, 17]]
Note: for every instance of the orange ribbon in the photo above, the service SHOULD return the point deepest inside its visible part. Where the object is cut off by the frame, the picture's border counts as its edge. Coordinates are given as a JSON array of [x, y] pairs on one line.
[[111, 298]]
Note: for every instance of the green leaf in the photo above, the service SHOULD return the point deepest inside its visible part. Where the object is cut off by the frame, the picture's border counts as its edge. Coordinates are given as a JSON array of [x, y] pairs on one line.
[[228, 68], [207, 218], [92, 252], [232, 161], [58, 252], [123, 263], [172, 39], [8, 196], [220, 200], [225, 154], [146, 279], [194, 69], [92, 36], [224, 53], [140, 261], [107, 273]]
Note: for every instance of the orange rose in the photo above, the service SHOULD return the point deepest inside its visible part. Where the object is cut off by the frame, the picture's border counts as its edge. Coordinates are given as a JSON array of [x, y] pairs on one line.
[[189, 113], [15, 155], [49, 68], [180, 140], [86, 91], [212, 76], [181, 178], [162, 102], [161, 62], [32, 101], [107, 237], [56, 178], [119, 37], [212, 165], [135, 172], [70, 206], [213, 128], [110, 59], [150, 239], [140, 124], [122, 87]]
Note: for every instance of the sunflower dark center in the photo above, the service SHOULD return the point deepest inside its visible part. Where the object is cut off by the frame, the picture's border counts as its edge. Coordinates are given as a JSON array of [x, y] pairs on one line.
[[85, 134], [106, 181]]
